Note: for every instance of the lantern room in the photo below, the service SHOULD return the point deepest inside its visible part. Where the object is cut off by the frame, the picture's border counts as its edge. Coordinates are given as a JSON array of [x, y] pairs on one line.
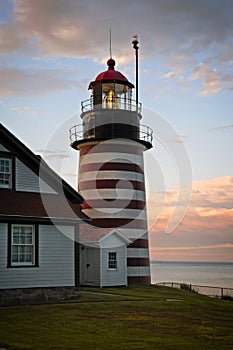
[[110, 112], [111, 89]]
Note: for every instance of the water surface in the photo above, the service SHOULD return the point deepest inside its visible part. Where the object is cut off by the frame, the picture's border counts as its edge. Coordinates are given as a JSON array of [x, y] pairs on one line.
[[200, 273]]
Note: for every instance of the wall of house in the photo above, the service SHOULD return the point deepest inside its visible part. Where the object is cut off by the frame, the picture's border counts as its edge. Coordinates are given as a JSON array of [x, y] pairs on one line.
[[56, 260], [27, 180], [3, 149], [111, 241], [110, 277]]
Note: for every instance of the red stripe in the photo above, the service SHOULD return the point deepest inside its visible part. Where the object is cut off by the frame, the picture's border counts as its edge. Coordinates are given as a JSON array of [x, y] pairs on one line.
[[118, 203], [111, 166], [86, 149], [139, 243], [139, 280], [112, 184], [130, 223], [138, 262], [110, 147]]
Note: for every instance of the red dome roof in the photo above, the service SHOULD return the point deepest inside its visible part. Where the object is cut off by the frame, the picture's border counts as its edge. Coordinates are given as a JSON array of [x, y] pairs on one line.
[[111, 75]]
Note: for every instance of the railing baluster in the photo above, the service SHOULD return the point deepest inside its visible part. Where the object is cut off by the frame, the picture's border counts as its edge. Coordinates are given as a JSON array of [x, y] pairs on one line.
[[145, 133], [117, 103]]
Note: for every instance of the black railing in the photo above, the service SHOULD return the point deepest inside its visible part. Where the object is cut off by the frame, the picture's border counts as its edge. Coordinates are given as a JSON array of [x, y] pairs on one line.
[[77, 133], [212, 291], [111, 103]]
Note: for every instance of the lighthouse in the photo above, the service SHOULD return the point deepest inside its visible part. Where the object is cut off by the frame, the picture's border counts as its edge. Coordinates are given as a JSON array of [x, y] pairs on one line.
[[112, 140]]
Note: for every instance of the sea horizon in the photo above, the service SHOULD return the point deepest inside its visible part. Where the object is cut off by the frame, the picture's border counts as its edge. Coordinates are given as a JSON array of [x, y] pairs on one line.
[[204, 273], [191, 261]]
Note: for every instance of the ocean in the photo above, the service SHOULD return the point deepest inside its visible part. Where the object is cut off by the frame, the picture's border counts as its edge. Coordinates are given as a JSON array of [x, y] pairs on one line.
[[219, 274]]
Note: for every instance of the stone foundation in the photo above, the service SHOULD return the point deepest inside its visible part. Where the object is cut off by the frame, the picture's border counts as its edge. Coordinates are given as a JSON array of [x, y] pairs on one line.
[[10, 297]]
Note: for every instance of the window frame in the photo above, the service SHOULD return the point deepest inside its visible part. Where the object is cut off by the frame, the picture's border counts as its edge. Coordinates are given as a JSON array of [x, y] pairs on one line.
[[11, 158], [114, 261], [34, 245]]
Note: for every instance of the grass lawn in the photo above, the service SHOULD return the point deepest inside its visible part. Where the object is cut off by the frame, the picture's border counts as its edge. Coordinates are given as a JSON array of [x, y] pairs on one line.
[[121, 318]]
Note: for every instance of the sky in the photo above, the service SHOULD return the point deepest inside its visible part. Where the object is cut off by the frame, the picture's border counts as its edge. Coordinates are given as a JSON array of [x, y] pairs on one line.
[[51, 49]]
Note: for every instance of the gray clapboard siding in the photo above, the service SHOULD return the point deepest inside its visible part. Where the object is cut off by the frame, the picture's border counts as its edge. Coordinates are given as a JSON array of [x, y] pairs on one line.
[[27, 180], [3, 149], [3, 248], [56, 260], [113, 277]]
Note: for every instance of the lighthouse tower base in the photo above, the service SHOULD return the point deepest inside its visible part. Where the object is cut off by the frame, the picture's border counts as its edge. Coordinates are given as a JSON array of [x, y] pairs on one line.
[[111, 180]]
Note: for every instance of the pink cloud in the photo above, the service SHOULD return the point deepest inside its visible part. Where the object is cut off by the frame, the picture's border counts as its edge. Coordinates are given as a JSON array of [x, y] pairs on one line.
[[207, 228]]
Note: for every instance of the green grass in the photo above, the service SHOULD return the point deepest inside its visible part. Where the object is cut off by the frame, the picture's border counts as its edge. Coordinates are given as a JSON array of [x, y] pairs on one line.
[[121, 318]]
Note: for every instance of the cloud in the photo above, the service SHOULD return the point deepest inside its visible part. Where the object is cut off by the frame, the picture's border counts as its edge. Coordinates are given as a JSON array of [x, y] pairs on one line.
[[218, 252], [56, 154], [177, 29], [222, 128], [213, 80], [179, 139], [177, 80], [208, 223], [11, 39], [211, 205], [170, 75], [25, 110], [211, 83], [25, 83], [176, 33], [215, 246]]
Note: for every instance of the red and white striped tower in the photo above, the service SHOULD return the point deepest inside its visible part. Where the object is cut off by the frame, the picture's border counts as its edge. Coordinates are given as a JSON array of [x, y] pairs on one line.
[[111, 141]]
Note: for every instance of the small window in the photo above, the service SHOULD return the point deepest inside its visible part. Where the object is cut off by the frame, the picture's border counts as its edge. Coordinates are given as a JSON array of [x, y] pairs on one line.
[[112, 260], [23, 245], [5, 173]]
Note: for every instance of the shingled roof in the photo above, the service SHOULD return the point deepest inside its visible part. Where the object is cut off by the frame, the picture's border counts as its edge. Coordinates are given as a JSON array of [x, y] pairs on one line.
[[66, 204]]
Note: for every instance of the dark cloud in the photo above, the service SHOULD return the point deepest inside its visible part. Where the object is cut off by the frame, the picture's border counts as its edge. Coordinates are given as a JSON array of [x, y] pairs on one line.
[[81, 28], [180, 33], [23, 83]]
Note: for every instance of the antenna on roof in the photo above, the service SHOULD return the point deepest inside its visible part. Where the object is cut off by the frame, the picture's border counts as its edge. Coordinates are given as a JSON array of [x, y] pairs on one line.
[[110, 42], [135, 46]]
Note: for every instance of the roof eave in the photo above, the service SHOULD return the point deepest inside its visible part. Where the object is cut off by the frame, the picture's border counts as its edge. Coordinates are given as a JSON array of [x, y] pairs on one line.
[[41, 219]]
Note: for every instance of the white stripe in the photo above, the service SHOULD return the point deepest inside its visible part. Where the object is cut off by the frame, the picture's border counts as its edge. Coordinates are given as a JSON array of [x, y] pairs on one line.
[[145, 236], [134, 233], [113, 175], [110, 193], [137, 253], [138, 270], [115, 213], [111, 157]]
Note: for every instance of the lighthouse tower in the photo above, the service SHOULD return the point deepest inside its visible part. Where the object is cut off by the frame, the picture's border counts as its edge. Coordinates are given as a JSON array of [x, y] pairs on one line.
[[111, 141]]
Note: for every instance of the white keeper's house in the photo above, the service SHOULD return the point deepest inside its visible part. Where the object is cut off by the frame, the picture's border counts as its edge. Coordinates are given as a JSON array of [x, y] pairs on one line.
[[38, 247], [42, 243]]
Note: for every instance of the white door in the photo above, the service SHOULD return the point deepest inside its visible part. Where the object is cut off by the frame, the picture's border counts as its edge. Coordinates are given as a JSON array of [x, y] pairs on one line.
[[90, 266]]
